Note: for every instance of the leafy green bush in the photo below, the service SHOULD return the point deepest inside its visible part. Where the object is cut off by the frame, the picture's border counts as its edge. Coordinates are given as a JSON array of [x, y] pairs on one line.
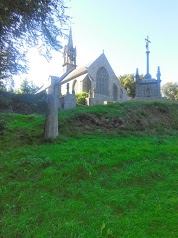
[[80, 98]]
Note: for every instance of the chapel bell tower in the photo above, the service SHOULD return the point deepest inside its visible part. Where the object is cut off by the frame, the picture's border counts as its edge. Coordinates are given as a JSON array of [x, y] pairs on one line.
[[69, 54]]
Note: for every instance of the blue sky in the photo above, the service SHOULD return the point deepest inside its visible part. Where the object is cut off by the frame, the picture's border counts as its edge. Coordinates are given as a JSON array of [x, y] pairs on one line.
[[119, 27]]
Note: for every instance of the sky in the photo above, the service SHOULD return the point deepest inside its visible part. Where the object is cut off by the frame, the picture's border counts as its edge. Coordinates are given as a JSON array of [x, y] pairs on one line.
[[119, 28]]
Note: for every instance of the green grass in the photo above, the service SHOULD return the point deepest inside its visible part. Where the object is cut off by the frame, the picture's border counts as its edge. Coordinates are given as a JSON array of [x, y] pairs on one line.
[[103, 182]]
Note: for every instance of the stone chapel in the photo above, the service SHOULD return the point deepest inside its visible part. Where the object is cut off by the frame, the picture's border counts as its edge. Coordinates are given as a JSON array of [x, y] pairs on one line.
[[97, 78], [148, 87]]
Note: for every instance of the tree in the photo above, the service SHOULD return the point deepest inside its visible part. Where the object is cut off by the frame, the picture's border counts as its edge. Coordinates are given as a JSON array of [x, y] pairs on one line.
[[7, 84], [27, 87], [2, 86], [28, 23], [128, 82], [170, 90]]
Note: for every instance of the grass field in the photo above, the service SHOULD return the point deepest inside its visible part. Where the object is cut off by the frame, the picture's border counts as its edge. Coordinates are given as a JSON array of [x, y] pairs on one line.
[[113, 172]]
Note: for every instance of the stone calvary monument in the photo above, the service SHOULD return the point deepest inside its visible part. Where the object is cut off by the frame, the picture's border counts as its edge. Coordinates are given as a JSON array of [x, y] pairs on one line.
[[148, 87]]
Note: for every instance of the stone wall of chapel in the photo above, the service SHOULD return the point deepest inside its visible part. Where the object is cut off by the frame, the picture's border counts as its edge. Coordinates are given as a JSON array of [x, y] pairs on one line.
[[113, 80], [75, 84], [87, 84], [99, 99]]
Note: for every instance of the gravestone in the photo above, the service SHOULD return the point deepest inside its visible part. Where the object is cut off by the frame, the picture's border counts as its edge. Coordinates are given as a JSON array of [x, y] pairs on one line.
[[68, 100]]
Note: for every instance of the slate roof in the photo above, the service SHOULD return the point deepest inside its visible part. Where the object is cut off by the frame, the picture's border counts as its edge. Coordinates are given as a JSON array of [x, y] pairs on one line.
[[77, 72]]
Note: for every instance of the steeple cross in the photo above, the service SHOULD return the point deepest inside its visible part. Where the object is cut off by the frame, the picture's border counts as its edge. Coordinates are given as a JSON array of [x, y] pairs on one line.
[[147, 43]]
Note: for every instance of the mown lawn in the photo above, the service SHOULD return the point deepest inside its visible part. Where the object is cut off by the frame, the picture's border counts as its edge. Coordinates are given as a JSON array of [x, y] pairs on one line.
[[87, 185]]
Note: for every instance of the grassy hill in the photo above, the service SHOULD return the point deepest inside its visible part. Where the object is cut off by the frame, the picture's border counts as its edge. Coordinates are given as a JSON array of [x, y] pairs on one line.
[[111, 173]]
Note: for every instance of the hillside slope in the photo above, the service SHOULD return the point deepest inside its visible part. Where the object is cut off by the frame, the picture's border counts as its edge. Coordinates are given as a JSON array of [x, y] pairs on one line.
[[111, 173], [130, 116]]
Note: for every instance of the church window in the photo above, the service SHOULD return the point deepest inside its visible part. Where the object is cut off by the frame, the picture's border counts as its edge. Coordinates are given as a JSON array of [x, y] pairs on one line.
[[121, 94], [86, 84], [75, 86], [115, 92], [102, 79]]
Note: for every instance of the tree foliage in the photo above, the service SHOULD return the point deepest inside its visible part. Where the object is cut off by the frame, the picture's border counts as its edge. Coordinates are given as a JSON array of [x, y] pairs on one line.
[[170, 90], [128, 82], [2, 86], [28, 87], [28, 23], [7, 84]]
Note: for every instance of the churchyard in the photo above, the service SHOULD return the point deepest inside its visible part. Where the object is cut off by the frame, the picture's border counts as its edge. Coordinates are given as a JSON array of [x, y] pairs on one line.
[[112, 172]]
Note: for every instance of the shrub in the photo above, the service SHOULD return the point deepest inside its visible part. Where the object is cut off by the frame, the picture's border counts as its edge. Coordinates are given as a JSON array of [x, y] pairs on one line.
[[4, 102], [80, 98]]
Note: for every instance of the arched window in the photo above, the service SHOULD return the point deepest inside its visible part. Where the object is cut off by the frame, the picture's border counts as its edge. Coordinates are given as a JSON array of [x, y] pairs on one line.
[[121, 93], [102, 81], [75, 86], [115, 92], [86, 84]]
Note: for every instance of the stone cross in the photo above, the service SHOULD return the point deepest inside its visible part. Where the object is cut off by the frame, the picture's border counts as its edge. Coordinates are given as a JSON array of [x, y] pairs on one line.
[[147, 43], [147, 55], [51, 120]]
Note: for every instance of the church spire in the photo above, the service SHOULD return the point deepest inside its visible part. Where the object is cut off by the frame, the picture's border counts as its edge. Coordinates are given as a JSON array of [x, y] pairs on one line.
[[69, 54], [70, 41]]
